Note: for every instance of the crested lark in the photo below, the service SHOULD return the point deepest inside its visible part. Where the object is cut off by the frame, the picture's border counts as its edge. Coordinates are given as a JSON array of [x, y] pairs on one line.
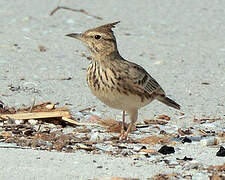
[[118, 83]]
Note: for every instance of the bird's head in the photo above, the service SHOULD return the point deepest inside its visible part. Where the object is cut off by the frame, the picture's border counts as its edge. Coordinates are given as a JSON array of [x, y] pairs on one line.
[[101, 40]]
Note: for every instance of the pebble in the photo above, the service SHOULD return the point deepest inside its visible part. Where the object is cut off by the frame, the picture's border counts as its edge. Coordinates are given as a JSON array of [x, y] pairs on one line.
[[208, 142], [18, 122], [186, 140], [221, 152], [159, 62], [166, 150], [33, 121], [50, 106]]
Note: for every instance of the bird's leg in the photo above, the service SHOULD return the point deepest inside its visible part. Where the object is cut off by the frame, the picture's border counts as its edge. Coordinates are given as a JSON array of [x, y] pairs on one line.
[[133, 118], [123, 125]]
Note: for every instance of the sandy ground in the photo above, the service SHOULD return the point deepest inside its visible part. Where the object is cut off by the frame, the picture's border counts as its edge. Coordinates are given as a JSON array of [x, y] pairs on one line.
[[181, 43]]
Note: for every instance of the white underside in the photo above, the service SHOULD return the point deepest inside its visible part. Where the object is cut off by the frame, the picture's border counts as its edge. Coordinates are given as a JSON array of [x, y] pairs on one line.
[[121, 101]]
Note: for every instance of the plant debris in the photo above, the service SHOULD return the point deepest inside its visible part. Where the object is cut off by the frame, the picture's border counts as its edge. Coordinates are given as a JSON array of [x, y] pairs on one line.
[[164, 117], [74, 10], [42, 48], [45, 126]]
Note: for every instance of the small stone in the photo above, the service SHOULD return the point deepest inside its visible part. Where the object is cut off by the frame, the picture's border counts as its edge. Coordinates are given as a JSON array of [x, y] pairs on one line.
[[221, 152], [208, 142], [186, 139], [159, 62], [18, 122], [32, 122], [166, 150], [50, 106]]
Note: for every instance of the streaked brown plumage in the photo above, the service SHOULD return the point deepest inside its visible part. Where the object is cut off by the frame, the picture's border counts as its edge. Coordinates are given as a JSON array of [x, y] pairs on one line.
[[118, 83]]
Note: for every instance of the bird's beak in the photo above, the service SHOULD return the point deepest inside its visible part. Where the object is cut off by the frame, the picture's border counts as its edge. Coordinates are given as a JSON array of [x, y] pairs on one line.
[[75, 35]]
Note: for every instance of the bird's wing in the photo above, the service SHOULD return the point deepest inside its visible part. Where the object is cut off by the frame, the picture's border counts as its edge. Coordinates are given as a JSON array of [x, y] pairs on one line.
[[141, 81]]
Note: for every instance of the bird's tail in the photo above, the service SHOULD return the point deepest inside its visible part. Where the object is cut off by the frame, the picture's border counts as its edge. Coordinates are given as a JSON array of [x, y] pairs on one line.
[[168, 101]]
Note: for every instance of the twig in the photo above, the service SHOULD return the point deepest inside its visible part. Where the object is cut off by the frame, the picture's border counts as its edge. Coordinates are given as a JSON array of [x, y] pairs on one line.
[[79, 123], [39, 128], [32, 105], [86, 109], [75, 10], [36, 115]]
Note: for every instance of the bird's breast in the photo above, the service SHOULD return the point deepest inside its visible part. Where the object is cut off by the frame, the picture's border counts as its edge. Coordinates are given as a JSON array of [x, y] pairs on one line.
[[105, 86]]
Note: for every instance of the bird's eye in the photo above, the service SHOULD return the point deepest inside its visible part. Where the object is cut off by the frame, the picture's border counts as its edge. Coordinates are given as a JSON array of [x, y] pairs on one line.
[[98, 37]]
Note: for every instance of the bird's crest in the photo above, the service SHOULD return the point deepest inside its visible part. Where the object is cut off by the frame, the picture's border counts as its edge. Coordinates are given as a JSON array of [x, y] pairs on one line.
[[107, 27]]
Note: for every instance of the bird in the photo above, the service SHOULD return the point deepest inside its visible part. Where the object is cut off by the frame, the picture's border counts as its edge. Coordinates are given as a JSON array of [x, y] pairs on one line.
[[115, 81]]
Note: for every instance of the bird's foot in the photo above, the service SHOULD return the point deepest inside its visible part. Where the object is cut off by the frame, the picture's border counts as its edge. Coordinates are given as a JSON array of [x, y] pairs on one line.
[[123, 137], [122, 134]]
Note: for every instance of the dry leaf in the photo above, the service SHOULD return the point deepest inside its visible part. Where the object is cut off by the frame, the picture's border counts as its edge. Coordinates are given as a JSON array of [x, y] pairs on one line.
[[151, 121], [164, 117], [217, 168], [6, 134], [42, 48], [184, 132], [216, 177], [152, 140], [150, 151], [164, 176]]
